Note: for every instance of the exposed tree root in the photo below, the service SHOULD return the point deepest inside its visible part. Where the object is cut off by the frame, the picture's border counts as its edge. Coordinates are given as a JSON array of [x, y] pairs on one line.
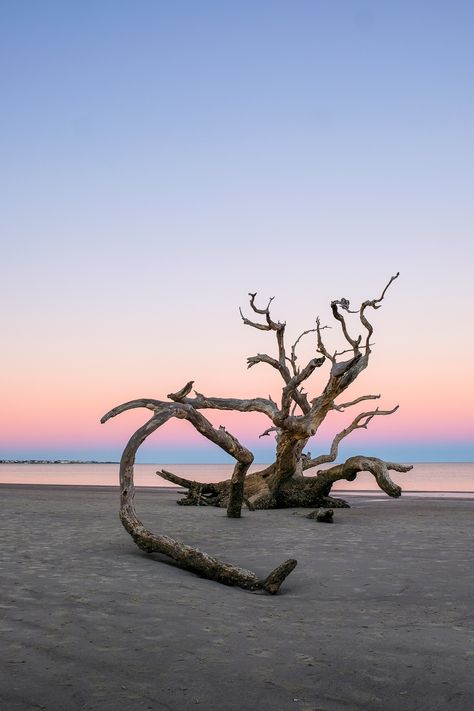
[[304, 492]]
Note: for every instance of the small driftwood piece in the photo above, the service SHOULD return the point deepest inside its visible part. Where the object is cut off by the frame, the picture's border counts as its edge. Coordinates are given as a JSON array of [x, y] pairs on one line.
[[325, 516], [322, 515], [186, 556]]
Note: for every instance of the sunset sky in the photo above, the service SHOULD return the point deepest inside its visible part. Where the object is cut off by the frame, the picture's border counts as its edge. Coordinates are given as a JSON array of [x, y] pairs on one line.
[[160, 160]]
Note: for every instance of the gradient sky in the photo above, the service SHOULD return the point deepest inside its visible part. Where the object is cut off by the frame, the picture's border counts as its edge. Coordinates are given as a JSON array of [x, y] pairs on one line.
[[159, 160]]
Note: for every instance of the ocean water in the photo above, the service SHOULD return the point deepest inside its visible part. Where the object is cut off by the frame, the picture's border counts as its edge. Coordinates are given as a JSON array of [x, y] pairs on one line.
[[438, 477]]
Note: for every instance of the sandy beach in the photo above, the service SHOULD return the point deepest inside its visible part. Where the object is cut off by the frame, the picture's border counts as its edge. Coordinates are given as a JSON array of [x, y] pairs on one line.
[[377, 615]]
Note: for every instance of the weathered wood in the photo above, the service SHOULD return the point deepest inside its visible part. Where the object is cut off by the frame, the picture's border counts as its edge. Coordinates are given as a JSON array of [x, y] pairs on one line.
[[325, 516], [321, 515], [302, 492], [219, 436], [294, 420], [185, 556]]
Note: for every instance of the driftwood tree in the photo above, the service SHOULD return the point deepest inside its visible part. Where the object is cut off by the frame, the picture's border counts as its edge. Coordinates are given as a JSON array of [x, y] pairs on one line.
[[294, 420]]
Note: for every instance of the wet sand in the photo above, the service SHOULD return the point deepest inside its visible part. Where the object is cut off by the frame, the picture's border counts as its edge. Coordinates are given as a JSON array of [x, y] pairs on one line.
[[377, 615]]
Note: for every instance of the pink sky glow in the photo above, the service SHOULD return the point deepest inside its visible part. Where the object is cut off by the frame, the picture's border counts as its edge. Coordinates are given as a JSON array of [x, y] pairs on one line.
[[158, 165]]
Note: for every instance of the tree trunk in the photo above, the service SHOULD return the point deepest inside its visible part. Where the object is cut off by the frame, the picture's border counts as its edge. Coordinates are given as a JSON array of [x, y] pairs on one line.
[[304, 492]]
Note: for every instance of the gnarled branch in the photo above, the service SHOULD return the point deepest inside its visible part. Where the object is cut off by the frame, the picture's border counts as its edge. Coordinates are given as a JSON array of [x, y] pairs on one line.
[[202, 402], [270, 325], [293, 357], [149, 403], [352, 466], [344, 405], [360, 422], [375, 304], [181, 394], [186, 556], [321, 347], [265, 358], [290, 391], [354, 342]]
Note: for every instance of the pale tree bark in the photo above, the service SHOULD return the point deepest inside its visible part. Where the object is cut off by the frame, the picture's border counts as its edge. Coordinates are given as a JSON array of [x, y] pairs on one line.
[[297, 418], [186, 556], [294, 421]]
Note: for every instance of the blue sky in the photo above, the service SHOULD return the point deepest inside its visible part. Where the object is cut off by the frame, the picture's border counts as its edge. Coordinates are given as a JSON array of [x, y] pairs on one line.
[[160, 160]]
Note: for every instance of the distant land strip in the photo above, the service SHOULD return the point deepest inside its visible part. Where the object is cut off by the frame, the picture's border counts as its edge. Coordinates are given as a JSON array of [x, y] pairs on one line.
[[53, 461]]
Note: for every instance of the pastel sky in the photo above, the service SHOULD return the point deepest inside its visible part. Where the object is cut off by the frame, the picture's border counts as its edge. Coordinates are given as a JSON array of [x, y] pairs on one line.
[[159, 160]]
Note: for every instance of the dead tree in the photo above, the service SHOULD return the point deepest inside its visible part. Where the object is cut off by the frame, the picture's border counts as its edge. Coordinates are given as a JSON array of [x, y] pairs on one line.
[[294, 420]]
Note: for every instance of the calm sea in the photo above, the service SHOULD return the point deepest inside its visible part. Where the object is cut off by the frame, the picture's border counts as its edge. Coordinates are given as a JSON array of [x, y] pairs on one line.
[[440, 477]]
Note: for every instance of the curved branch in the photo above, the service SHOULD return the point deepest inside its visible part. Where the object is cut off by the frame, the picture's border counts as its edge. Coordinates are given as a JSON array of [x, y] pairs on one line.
[[298, 396], [181, 394], [270, 325], [264, 358], [321, 347], [131, 405], [354, 342], [268, 432], [185, 556], [265, 312], [186, 483], [293, 357], [375, 304], [220, 436], [344, 405], [352, 466], [202, 402], [254, 324], [360, 422], [290, 391]]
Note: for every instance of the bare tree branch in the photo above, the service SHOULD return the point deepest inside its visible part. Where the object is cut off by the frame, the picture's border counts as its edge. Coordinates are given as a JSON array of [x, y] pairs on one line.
[[265, 311], [254, 324], [150, 404], [270, 325], [185, 556], [342, 367], [299, 397], [345, 304], [290, 391], [201, 402], [348, 350], [301, 394], [293, 357], [280, 363], [352, 466], [321, 347], [344, 405], [178, 397], [264, 358], [354, 342], [268, 432], [360, 422], [186, 483], [375, 304]]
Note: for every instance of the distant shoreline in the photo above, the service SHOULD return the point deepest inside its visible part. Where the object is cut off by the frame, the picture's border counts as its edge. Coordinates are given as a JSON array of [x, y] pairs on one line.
[[54, 461], [179, 464]]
